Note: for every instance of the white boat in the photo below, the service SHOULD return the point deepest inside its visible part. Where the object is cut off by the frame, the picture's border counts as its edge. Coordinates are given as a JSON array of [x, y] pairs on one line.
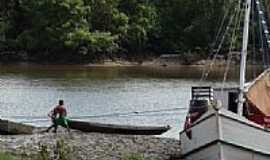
[[230, 123]]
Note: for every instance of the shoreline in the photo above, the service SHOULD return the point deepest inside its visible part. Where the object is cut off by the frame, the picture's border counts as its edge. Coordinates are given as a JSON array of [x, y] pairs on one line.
[[93, 146], [156, 62]]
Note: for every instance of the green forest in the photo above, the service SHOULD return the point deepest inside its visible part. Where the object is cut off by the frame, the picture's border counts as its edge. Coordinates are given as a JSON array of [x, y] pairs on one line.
[[83, 31]]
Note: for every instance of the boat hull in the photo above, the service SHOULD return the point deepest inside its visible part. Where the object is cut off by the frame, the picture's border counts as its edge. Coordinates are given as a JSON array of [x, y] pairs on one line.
[[117, 129], [222, 135], [12, 128]]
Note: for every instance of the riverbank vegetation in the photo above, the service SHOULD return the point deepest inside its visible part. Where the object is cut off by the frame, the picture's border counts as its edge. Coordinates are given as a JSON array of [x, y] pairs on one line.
[[83, 31], [6, 156], [60, 151]]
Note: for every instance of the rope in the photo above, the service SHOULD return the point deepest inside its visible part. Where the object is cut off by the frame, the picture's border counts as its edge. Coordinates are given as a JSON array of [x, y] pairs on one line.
[[254, 40], [262, 42], [264, 18], [133, 113], [264, 35], [261, 38], [207, 71], [233, 42], [215, 42]]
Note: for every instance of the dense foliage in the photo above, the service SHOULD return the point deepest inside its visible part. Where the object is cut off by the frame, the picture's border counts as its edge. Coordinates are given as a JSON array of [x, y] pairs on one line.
[[89, 30]]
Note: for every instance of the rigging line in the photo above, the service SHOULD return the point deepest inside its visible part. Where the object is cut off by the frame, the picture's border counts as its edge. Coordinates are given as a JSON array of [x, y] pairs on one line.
[[216, 40], [262, 40], [221, 26], [205, 73], [253, 39], [265, 19], [261, 9], [233, 42], [259, 12], [219, 47], [263, 30], [261, 18]]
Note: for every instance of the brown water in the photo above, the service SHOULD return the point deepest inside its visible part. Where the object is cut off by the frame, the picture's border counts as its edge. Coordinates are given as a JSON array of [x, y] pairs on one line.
[[121, 95]]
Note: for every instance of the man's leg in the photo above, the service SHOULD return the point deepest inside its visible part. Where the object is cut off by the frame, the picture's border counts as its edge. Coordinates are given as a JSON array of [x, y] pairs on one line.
[[55, 128], [49, 128], [55, 125], [67, 128], [66, 124], [52, 126]]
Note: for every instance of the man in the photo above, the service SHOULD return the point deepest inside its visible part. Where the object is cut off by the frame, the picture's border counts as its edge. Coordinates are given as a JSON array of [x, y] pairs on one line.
[[59, 117]]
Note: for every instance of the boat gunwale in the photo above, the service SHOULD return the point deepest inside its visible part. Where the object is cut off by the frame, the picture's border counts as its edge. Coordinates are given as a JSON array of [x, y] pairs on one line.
[[228, 115]]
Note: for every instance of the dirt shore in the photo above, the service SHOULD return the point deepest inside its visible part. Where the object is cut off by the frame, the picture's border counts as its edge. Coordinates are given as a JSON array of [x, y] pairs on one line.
[[93, 146]]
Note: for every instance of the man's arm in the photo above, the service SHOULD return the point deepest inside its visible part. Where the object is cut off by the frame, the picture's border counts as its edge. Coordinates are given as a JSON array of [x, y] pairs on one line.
[[52, 113], [65, 112]]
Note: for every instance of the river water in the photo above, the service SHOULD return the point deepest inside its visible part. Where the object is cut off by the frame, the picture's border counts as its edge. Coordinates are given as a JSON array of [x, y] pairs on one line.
[[119, 95]]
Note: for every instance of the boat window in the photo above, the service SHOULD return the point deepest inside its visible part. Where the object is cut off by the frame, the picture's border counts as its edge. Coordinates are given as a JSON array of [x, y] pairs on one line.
[[233, 96]]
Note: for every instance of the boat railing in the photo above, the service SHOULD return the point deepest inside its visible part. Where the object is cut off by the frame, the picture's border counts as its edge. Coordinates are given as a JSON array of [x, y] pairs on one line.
[[199, 93]]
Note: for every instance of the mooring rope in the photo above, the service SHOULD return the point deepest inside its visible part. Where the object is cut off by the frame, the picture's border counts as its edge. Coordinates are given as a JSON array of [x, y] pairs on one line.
[[29, 119]]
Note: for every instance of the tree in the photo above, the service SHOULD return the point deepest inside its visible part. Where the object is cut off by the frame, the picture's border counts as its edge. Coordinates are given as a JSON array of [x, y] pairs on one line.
[[83, 30], [60, 28], [187, 25], [107, 22], [142, 21]]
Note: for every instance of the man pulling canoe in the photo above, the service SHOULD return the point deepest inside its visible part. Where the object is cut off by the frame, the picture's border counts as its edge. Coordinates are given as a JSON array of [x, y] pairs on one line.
[[59, 117]]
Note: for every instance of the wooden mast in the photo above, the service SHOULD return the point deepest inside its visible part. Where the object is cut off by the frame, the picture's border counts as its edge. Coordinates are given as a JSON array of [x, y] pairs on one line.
[[244, 57]]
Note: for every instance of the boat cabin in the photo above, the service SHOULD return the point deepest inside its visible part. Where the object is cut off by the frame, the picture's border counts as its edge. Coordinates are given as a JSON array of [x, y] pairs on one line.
[[228, 98], [257, 100], [206, 98]]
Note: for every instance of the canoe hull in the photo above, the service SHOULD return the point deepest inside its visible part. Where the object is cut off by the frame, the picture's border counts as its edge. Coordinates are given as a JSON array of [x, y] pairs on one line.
[[12, 128], [117, 129]]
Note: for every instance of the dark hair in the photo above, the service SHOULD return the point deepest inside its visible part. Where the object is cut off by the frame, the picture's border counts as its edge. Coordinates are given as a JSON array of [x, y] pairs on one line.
[[61, 102]]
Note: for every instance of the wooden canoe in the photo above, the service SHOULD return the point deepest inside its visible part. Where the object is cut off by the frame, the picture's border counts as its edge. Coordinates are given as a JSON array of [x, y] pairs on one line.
[[13, 128], [117, 129]]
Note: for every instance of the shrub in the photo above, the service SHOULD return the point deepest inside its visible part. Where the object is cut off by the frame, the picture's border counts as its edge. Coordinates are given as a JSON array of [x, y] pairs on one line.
[[6, 156]]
